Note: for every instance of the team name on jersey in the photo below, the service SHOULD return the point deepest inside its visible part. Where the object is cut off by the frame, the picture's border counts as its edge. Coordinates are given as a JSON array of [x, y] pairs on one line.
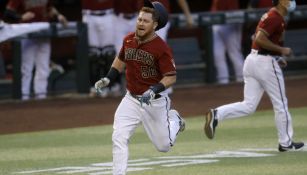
[[139, 55], [35, 3]]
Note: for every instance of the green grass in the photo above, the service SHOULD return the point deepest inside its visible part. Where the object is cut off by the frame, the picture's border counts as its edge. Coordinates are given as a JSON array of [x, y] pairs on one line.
[[82, 147]]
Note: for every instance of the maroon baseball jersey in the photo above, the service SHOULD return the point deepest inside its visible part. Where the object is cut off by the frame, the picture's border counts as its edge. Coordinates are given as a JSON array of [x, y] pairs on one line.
[[39, 7], [146, 63], [264, 3], [273, 24], [224, 5], [127, 6], [97, 4]]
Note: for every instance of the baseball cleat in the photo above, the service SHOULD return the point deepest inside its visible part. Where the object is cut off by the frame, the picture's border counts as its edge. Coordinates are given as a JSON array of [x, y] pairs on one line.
[[211, 123], [295, 146]]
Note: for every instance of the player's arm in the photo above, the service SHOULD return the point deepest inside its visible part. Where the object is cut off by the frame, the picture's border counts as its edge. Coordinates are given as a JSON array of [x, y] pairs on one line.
[[54, 13], [118, 64], [186, 10], [263, 41], [168, 80], [115, 70], [11, 15]]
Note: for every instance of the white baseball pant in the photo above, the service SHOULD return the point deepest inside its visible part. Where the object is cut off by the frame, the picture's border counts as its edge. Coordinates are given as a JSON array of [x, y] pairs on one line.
[[35, 52], [100, 29], [160, 123], [227, 38], [262, 73], [124, 26]]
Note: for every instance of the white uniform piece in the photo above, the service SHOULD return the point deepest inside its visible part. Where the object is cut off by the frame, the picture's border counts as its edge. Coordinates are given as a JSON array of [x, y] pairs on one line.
[[227, 38], [12, 30], [129, 115], [100, 27], [163, 32], [262, 73], [124, 26], [35, 53]]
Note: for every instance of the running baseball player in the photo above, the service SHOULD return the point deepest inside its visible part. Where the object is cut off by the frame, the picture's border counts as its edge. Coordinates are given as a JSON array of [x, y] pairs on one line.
[[262, 73], [150, 69]]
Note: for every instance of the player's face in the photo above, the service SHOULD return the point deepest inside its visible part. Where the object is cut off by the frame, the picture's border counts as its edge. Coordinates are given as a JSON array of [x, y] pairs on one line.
[[145, 25]]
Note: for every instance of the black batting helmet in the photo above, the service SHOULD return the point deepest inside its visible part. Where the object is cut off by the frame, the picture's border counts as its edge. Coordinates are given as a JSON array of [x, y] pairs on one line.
[[275, 2], [160, 9]]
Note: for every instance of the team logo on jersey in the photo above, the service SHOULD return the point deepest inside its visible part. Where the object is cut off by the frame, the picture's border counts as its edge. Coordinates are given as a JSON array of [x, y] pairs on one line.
[[139, 55]]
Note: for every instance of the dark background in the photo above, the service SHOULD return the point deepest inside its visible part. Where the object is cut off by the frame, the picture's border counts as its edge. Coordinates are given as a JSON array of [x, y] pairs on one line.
[[72, 8]]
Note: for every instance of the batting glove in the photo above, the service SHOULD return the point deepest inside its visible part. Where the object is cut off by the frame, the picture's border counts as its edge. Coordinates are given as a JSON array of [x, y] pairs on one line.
[[147, 97], [102, 83]]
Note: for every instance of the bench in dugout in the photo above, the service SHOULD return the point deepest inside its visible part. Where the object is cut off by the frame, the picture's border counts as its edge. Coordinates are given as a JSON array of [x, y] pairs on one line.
[[296, 39], [188, 58]]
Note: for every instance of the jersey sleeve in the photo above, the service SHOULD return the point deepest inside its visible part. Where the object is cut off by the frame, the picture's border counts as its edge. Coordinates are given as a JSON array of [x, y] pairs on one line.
[[167, 64], [269, 25]]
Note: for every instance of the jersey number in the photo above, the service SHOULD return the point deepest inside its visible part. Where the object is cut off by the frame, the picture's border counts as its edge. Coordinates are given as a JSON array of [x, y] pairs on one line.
[[148, 72]]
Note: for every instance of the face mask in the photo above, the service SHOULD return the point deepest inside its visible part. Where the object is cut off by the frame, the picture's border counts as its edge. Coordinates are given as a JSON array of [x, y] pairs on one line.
[[292, 6]]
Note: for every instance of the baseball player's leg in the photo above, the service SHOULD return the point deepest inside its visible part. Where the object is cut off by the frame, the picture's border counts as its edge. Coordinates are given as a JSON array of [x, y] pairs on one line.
[[219, 54], [252, 96], [253, 92], [42, 60], [275, 87], [127, 118], [29, 49], [233, 45], [161, 124]]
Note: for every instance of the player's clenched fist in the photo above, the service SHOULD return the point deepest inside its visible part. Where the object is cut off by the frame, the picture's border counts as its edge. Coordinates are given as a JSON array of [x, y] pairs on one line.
[[103, 82]]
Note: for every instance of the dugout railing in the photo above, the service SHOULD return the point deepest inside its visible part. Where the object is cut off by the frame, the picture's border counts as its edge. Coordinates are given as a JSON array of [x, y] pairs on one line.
[[203, 20], [296, 37]]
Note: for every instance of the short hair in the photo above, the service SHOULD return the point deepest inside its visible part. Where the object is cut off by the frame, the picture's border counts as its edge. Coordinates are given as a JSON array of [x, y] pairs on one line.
[[155, 14]]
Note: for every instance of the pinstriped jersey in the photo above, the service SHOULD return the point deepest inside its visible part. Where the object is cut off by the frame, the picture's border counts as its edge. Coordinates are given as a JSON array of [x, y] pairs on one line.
[[146, 63]]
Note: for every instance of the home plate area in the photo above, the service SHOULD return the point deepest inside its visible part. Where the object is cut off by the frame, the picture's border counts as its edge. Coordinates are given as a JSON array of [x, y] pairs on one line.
[[159, 162]]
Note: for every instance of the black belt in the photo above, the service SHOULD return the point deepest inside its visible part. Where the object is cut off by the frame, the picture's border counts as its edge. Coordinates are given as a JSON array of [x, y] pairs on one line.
[[128, 15], [98, 13], [138, 97], [265, 52]]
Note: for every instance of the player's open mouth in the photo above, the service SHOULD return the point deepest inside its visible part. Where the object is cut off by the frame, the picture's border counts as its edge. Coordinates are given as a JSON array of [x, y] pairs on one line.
[[141, 29]]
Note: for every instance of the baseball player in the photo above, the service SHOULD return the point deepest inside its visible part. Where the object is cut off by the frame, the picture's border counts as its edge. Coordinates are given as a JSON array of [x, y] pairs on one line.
[[262, 72], [227, 38], [99, 17], [150, 69], [35, 52]]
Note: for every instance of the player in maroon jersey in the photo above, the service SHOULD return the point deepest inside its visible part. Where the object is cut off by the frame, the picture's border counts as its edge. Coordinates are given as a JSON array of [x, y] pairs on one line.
[[150, 69], [262, 73], [35, 51]]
